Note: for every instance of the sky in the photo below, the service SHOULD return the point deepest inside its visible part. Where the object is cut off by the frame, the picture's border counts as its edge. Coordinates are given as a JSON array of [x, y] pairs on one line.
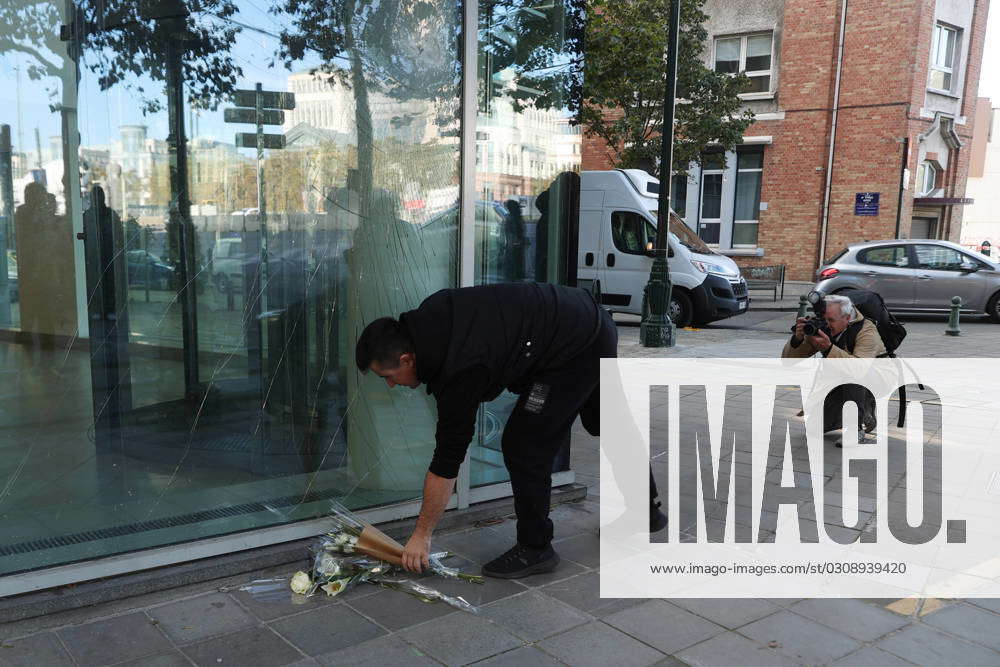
[[989, 79]]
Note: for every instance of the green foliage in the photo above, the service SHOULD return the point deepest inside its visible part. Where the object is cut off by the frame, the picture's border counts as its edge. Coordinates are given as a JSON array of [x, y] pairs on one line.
[[625, 74]]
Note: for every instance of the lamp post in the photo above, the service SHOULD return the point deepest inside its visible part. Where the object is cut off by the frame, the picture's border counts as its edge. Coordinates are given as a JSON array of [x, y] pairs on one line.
[[656, 329]]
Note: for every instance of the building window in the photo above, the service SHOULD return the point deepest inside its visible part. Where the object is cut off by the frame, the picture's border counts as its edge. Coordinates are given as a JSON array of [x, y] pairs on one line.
[[749, 171], [710, 220], [678, 195], [926, 179], [943, 50], [750, 54]]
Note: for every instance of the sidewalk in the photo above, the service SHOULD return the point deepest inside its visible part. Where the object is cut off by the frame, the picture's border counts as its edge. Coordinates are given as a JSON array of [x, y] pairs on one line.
[[550, 619]]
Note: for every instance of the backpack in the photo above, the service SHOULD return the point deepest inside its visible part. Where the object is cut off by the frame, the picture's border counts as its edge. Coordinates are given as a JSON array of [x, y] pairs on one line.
[[872, 307]]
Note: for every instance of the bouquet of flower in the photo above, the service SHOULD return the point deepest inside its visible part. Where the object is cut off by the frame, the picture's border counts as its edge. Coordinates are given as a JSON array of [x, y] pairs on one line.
[[356, 552]]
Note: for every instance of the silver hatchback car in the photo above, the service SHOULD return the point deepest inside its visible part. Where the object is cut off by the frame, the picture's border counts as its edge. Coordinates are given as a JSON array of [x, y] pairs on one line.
[[916, 275]]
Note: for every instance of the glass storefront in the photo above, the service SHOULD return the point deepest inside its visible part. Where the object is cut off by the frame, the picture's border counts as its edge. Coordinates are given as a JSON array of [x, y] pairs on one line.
[[178, 351], [201, 206], [527, 163]]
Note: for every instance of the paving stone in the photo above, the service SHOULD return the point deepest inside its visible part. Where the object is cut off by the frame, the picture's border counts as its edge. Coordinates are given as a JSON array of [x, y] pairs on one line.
[[387, 650], [926, 646], [267, 610], [599, 644], [663, 626], [41, 649], [201, 617], [970, 623], [326, 629], [460, 638], [728, 612], [253, 646], [871, 657], [169, 659], [565, 569], [479, 546], [533, 616], [489, 591], [526, 656], [582, 591], [855, 619], [113, 640], [993, 604], [732, 649], [584, 549], [800, 638], [395, 610]]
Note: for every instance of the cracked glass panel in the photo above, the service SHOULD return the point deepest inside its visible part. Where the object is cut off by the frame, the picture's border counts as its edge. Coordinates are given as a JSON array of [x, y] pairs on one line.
[[527, 166], [203, 204]]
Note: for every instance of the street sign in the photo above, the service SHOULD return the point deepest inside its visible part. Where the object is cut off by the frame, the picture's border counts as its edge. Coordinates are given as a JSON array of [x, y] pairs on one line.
[[267, 116], [866, 203], [269, 99], [249, 140]]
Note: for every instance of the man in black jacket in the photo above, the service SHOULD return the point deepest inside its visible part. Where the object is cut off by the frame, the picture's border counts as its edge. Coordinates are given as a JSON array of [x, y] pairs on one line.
[[539, 340]]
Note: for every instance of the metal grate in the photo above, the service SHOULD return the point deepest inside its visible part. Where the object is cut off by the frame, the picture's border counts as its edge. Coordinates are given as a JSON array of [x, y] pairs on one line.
[[160, 524]]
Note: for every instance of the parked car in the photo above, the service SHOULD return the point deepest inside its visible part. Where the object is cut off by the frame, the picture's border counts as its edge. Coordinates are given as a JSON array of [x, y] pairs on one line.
[[146, 270], [920, 275]]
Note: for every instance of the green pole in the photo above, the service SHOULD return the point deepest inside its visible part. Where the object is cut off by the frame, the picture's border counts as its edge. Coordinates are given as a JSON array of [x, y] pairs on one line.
[[656, 329], [952, 328]]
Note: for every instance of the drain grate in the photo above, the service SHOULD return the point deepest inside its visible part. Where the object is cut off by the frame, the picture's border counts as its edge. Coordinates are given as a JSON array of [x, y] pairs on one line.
[[162, 523]]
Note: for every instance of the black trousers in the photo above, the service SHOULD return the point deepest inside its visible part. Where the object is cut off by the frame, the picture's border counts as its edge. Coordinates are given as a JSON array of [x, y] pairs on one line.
[[540, 424]]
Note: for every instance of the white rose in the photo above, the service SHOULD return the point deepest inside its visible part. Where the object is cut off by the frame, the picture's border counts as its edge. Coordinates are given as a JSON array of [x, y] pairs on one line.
[[301, 583]]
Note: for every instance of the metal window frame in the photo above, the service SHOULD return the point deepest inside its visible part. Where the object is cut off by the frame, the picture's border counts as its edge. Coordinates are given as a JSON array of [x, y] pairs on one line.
[[743, 58], [736, 192]]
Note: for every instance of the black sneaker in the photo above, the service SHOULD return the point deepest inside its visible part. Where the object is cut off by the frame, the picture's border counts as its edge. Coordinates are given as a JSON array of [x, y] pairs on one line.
[[657, 519], [520, 561]]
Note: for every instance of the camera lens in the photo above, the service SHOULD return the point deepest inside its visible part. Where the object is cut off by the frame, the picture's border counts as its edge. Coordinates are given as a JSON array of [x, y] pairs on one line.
[[809, 328]]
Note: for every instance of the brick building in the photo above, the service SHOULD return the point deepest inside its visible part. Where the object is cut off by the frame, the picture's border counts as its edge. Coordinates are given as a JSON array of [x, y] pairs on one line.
[[890, 113]]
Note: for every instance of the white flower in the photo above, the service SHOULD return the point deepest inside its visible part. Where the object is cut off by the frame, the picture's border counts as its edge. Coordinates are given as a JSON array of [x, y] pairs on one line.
[[301, 583], [328, 566], [335, 587], [342, 538]]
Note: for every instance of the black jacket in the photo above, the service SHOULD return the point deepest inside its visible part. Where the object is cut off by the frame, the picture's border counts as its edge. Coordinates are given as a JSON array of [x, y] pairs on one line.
[[472, 343]]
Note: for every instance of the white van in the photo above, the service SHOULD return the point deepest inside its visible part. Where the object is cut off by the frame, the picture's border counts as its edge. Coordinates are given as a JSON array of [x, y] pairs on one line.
[[617, 233]]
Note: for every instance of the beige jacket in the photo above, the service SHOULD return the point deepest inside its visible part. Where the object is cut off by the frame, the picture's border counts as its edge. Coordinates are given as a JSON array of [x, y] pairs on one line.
[[868, 344]]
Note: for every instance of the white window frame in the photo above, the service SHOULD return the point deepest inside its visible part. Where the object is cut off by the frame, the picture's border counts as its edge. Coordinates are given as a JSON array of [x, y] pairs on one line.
[[701, 204], [762, 95], [926, 168], [756, 222], [951, 70]]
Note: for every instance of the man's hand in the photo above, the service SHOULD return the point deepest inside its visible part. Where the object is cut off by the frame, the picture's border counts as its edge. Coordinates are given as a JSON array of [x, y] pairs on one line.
[[416, 553], [798, 335], [820, 341]]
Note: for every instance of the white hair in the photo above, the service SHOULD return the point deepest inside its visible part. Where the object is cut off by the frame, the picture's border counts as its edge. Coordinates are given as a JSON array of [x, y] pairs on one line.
[[846, 307]]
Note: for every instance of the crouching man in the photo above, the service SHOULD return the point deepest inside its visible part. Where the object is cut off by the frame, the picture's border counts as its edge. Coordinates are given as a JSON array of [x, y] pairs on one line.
[[541, 341], [847, 334]]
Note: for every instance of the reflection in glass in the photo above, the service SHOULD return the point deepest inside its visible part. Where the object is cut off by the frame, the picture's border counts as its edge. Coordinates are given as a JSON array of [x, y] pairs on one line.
[[527, 168], [178, 332]]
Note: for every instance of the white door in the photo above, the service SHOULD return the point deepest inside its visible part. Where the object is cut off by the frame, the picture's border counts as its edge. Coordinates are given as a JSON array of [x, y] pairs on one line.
[[589, 245], [623, 261]]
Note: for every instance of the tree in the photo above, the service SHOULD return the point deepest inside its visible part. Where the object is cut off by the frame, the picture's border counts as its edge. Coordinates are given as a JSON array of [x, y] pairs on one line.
[[625, 78]]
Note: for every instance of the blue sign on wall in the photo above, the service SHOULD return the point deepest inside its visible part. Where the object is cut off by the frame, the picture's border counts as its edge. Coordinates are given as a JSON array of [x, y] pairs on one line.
[[866, 203]]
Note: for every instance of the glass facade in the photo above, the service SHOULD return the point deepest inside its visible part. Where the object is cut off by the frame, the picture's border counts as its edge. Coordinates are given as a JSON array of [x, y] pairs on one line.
[[203, 205]]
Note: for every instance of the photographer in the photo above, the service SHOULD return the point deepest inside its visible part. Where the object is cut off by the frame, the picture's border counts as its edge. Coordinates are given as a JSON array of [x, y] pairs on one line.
[[840, 333]]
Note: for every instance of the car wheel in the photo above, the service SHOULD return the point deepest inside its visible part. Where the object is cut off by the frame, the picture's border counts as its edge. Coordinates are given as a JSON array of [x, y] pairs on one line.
[[993, 308], [680, 308]]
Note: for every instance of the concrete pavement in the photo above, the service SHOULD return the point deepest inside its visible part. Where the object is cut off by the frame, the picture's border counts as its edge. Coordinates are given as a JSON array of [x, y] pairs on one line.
[[550, 619]]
